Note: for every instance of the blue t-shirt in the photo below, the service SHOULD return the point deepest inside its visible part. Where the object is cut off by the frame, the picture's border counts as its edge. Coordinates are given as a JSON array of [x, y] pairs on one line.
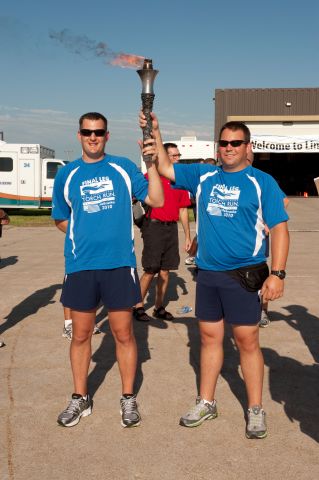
[[96, 199], [232, 208]]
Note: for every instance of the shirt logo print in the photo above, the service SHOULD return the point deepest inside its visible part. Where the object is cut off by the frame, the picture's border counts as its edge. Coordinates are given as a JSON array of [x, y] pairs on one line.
[[223, 201], [97, 194]]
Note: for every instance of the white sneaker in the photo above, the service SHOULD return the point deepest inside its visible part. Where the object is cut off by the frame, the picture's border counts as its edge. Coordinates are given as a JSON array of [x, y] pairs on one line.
[[67, 332], [264, 320], [256, 422], [190, 261], [96, 330]]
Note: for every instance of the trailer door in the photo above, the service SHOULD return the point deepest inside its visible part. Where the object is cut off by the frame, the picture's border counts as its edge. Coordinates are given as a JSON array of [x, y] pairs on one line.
[[26, 183], [50, 168], [8, 179]]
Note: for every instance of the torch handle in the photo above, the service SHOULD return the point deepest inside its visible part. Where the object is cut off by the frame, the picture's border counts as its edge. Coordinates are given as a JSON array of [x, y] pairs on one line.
[[147, 102]]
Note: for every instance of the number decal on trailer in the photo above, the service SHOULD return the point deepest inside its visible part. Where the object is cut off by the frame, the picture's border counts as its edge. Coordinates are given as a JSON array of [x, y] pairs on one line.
[[26, 165]]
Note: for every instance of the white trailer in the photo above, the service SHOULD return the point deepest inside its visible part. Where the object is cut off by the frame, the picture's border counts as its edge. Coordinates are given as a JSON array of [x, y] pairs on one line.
[[27, 173], [192, 150]]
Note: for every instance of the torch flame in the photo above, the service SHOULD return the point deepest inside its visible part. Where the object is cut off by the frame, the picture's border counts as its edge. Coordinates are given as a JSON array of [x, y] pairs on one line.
[[125, 60]]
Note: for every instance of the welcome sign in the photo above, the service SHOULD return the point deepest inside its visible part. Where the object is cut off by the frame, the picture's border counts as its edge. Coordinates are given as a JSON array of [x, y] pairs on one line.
[[281, 144]]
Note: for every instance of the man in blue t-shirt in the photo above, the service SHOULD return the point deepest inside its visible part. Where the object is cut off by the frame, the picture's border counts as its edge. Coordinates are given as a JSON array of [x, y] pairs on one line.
[[92, 200], [234, 202]]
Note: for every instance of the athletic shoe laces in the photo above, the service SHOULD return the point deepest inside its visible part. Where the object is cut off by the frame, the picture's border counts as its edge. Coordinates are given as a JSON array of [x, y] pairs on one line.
[[129, 407], [74, 406], [256, 419], [197, 409]]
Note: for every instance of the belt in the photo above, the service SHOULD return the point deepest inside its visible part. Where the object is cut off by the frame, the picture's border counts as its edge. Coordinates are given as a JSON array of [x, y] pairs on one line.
[[154, 220]]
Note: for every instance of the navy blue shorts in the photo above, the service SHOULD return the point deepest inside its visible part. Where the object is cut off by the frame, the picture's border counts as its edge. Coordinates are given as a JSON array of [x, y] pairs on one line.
[[118, 289], [219, 296]]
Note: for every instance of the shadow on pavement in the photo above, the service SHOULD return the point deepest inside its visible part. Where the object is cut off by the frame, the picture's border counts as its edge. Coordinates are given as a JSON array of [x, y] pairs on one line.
[[104, 359], [291, 383], [230, 369], [231, 359], [172, 294], [5, 262], [296, 387], [305, 323], [39, 299], [105, 356], [191, 324]]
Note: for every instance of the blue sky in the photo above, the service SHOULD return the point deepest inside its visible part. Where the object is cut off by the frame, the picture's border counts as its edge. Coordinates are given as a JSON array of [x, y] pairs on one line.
[[196, 46]]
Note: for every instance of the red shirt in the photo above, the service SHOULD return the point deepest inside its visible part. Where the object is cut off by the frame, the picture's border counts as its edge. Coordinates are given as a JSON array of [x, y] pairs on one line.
[[174, 199]]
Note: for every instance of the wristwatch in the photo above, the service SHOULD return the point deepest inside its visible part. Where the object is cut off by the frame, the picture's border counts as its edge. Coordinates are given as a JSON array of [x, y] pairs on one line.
[[279, 273]]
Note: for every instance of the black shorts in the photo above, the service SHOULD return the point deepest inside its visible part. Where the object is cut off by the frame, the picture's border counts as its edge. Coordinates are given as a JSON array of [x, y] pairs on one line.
[[118, 288], [160, 251], [267, 246]]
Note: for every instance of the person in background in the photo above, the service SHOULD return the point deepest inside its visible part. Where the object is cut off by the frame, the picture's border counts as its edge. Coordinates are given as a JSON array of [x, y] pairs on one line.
[[4, 220], [210, 161], [160, 242], [67, 328], [91, 204], [264, 321], [190, 260]]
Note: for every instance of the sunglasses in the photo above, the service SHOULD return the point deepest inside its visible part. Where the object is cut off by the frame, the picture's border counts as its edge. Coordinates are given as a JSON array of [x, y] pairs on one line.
[[233, 143], [85, 132]]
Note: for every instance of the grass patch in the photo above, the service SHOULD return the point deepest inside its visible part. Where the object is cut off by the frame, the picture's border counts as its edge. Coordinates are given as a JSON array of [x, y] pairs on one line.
[[191, 215], [36, 217], [32, 217]]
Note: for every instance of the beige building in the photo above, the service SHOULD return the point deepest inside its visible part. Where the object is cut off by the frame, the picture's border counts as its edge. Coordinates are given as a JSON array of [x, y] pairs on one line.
[[284, 123]]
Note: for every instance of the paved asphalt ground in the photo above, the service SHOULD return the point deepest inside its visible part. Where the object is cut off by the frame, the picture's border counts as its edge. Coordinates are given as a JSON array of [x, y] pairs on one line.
[[35, 379]]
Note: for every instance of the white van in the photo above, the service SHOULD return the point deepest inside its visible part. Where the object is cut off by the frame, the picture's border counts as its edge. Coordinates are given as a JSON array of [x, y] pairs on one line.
[[27, 173], [192, 150]]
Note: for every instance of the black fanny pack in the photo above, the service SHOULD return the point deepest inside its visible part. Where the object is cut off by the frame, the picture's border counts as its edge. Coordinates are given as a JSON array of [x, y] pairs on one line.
[[251, 277]]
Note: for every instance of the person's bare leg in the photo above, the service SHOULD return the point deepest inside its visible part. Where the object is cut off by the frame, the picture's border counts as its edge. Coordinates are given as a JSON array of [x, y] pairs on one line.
[[145, 282], [126, 351], [80, 350], [264, 306], [211, 357], [67, 313], [251, 361], [161, 287]]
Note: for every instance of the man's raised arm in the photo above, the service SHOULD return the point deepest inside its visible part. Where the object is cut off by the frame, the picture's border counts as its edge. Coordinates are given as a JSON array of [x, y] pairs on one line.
[[155, 194], [155, 148]]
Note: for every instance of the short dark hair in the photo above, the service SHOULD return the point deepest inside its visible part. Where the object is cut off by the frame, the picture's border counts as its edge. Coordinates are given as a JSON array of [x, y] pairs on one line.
[[93, 116], [168, 145], [236, 126], [210, 160]]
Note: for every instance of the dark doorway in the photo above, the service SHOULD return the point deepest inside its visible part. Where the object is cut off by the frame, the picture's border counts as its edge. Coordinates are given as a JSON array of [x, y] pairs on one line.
[[294, 172]]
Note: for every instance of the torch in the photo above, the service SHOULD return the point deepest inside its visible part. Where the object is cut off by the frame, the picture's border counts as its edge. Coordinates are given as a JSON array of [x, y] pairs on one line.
[[147, 75]]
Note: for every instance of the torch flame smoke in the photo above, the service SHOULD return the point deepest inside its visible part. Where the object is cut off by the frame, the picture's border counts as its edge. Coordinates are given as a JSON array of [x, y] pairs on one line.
[[82, 45]]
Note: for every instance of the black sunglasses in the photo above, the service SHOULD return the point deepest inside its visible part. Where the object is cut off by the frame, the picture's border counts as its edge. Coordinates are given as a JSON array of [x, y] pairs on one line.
[[85, 132], [233, 143]]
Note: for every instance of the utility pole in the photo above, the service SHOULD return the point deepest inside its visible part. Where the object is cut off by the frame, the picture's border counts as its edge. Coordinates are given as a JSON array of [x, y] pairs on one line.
[[67, 152]]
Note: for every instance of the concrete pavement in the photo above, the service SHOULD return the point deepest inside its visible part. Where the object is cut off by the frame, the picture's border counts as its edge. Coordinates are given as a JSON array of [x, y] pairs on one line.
[[36, 380]]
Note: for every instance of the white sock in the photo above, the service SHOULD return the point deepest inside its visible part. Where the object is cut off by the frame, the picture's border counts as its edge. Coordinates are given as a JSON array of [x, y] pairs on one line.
[[67, 323], [207, 401]]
